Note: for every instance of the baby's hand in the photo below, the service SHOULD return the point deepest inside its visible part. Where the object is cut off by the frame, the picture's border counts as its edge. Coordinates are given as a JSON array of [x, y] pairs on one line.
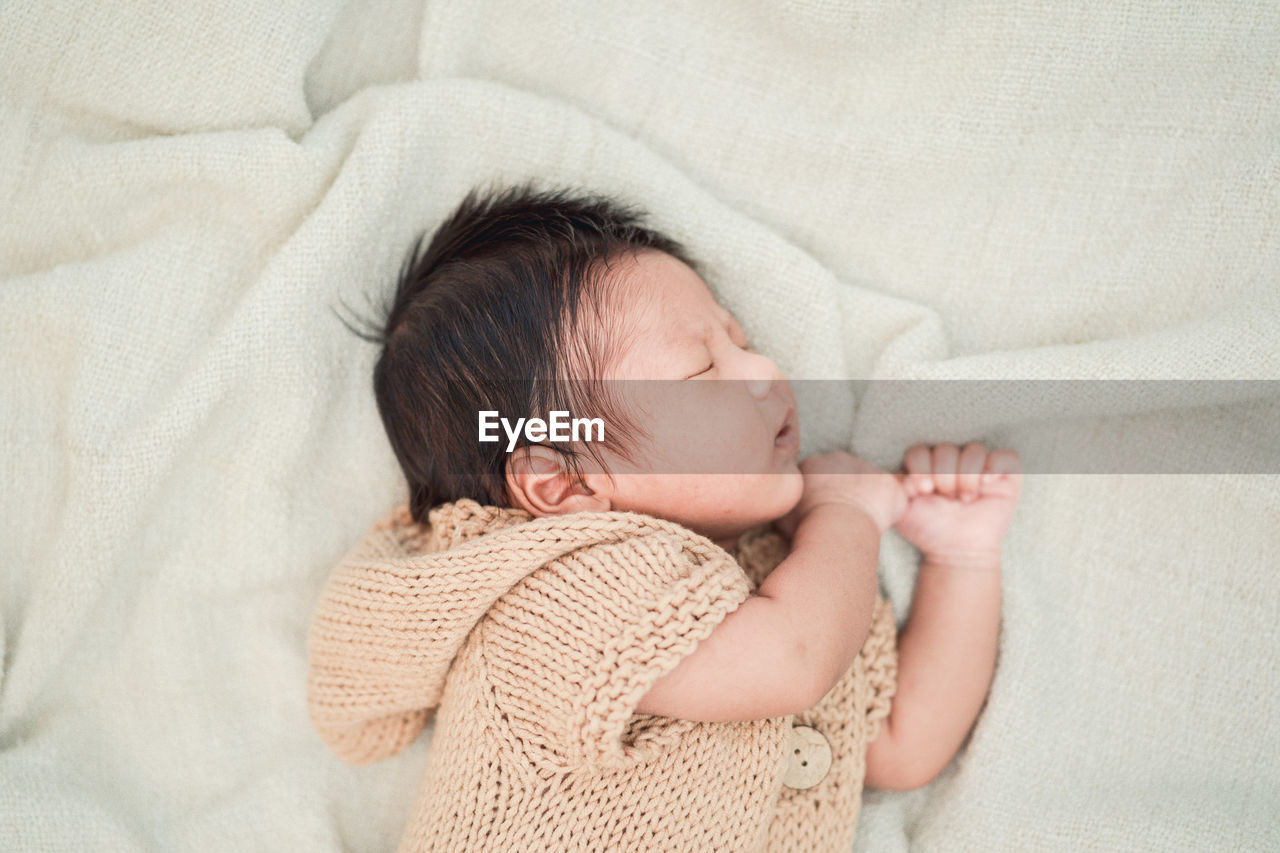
[[846, 479], [961, 501]]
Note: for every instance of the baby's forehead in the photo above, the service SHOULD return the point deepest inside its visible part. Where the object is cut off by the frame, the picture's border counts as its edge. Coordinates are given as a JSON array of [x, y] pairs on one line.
[[662, 314], [667, 298]]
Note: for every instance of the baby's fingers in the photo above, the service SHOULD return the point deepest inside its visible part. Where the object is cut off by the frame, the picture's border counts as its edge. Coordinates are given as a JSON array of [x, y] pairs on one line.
[[969, 471], [919, 467], [945, 465], [1002, 466]]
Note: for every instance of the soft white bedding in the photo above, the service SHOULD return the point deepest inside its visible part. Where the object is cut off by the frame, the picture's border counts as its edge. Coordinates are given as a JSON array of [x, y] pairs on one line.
[[880, 190]]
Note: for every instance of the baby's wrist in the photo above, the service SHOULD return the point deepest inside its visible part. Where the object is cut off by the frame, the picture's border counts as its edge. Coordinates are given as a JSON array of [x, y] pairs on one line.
[[956, 561], [843, 510]]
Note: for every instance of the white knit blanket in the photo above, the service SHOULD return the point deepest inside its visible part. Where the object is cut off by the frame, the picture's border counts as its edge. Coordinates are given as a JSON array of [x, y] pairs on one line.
[[188, 439]]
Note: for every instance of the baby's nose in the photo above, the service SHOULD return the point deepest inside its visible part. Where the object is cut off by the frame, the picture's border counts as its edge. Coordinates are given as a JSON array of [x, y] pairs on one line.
[[760, 373]]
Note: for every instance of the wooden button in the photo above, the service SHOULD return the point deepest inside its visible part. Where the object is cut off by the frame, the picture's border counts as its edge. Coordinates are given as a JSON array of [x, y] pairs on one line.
[[808, 758]]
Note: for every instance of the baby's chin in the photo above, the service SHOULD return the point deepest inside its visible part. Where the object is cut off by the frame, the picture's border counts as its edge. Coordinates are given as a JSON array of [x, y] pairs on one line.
[[789, 490], [769, 500]]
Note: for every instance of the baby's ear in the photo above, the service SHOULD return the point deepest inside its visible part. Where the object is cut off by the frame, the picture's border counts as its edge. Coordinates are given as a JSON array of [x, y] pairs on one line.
[[540, 482]]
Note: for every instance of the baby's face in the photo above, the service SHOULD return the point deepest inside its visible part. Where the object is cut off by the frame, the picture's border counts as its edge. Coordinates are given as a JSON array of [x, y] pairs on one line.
[[721, 456]]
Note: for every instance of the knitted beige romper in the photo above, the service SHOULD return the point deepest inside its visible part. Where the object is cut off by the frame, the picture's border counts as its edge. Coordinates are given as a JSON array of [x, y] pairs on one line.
[[532, 641]]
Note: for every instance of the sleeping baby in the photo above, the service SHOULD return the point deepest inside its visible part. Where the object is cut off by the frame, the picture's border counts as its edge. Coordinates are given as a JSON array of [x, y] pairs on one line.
[[638, 620]]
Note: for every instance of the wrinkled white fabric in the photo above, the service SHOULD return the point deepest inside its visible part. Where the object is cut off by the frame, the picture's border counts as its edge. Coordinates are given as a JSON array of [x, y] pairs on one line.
[[188, 439]]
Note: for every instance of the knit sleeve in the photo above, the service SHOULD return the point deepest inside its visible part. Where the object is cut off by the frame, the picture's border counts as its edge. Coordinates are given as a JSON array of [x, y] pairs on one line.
[[879, 657], [372, 681], [571, 650]]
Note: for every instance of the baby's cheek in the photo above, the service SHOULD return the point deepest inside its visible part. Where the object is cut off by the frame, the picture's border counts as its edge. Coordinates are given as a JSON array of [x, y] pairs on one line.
[[721, 434], [789, 490], [685, 447], [747, 447]]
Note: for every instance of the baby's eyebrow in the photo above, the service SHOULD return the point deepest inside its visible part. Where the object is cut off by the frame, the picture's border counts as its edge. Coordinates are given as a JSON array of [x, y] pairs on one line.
[[702, 333], [696, 335]]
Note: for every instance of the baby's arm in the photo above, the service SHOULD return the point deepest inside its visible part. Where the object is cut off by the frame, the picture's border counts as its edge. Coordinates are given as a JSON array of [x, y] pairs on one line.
[[946, 658], [947, 650], [783, 649]]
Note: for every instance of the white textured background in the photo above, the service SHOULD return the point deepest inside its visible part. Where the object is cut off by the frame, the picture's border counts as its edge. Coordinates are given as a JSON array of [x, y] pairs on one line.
[[188, 439]]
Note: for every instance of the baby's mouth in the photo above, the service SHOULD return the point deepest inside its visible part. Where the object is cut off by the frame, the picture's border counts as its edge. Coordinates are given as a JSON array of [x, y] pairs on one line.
[[786, 436]]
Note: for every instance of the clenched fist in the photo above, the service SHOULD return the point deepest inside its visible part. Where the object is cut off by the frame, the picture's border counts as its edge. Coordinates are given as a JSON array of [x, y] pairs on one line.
[[961, 501]]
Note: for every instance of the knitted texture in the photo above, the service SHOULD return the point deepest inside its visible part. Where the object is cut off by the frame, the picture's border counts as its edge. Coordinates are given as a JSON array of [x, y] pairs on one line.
[[532, 641]]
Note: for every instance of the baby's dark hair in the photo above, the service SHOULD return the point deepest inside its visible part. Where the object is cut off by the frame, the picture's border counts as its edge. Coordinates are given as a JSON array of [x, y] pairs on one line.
[[507, 309]]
